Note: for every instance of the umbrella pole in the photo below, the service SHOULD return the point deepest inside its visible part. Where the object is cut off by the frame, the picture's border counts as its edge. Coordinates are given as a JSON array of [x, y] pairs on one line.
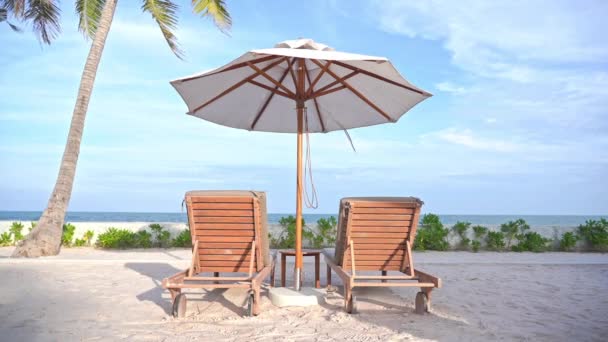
[[300, 113], [298, 266]]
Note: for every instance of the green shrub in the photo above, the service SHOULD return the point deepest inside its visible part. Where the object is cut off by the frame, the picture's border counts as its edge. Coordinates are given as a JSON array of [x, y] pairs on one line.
[[287, 238], [514, 229], [431, 235], [568, 241], [68, 234], [461, 228], [595, 234], [5, 239], [531, 242], [79, 243], [495, 241], [16, 230], [33, 225], [183, 239], [475, 244], [86, 239], [479, 232], [116, 238], [327, 232], [142, 239], [162, 237]]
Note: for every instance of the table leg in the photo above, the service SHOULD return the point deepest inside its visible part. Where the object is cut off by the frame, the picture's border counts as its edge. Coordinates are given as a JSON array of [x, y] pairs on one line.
[[283, 261], [317, 276], [384, 274]]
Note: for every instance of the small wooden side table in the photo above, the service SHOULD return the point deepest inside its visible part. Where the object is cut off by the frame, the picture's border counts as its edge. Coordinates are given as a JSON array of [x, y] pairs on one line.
[[316, 254]]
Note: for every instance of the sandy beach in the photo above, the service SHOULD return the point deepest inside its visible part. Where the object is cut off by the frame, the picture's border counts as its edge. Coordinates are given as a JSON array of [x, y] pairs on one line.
[[94, 295]]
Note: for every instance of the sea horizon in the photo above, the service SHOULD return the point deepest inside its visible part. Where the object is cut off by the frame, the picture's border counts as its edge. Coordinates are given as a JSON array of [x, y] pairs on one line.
[[568, 220]]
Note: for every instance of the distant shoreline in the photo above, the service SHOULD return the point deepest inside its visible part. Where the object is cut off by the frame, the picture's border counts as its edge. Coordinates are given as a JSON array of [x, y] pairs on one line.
[[546, 221]]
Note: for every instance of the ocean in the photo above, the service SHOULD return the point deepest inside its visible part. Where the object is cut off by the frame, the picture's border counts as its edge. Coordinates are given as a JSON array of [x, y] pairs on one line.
[[546, 221]]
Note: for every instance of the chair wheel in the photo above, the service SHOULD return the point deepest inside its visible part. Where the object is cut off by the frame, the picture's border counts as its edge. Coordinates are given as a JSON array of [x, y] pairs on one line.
[[250, 304], [421, 303], [351, 306], [179, 305]]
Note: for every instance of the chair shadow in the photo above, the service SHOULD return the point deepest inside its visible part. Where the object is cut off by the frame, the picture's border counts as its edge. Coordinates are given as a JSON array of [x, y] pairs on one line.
[[391, 311], [158, 271]]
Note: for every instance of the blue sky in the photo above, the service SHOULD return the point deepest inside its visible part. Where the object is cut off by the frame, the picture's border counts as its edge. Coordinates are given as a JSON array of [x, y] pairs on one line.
[[517, 123]]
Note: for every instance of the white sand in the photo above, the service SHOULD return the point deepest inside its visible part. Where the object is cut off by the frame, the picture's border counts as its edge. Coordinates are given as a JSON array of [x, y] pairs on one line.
[[92, 295]]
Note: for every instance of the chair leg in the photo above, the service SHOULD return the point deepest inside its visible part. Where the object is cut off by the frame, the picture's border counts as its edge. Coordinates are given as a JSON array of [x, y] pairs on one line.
[[256, 301], [174, 293], [317, 271], [347, 296], [283, 269], [216, 274], [328, 276], [272, 275], [427, 291], [384, 273]]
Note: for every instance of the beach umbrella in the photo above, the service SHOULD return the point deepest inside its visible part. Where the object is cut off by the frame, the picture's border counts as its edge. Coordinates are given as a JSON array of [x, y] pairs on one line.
[[300, 86]]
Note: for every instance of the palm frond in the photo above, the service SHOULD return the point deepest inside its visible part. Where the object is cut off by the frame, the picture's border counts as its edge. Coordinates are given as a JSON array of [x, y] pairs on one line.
[[164, 13], [216, 9], [89, 12], [44, 15], [4, 17], [15, 7]]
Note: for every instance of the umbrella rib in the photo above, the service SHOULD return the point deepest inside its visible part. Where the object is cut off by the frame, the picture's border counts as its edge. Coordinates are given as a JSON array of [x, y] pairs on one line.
[[236, 66], [267, 102], [371, 74], [268, 77], [314, 99], [326, 92], [328, 86], [356, 92], [269, 88], [236, 85], [293, 75], [314, 82]]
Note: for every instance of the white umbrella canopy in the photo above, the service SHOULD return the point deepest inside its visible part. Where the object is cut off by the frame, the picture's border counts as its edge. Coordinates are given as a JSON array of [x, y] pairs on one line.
[[348, 90], [300, 86]]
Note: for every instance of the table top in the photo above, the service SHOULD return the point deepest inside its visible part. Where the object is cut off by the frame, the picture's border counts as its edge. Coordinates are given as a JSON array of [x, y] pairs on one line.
[[304, 252]]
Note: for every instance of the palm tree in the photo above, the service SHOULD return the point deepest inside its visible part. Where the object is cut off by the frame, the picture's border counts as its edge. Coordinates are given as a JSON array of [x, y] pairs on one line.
[[95, 21]]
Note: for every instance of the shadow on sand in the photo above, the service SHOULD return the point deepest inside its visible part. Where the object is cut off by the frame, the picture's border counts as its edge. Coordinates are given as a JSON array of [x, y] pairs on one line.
[[158, 271]]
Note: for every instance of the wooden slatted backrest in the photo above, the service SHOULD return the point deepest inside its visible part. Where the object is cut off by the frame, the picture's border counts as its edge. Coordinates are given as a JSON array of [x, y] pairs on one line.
[[225, 227], [380, 229]]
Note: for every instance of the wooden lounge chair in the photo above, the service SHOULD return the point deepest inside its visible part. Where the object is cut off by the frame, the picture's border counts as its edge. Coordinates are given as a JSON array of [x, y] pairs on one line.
[[376, 234], [229, 235]]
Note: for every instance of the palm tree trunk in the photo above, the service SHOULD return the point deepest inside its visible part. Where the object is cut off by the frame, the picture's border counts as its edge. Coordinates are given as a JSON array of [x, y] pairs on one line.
[[45, 239]]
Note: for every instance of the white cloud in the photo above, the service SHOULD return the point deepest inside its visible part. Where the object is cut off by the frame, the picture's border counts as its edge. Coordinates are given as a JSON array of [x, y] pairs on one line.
[[499, 37], [537, 66], [449, 87], [468, 139]]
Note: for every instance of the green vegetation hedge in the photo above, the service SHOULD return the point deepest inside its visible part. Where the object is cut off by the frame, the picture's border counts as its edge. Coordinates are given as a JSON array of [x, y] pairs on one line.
[[431, 234], [568, 241], [595, 234]]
